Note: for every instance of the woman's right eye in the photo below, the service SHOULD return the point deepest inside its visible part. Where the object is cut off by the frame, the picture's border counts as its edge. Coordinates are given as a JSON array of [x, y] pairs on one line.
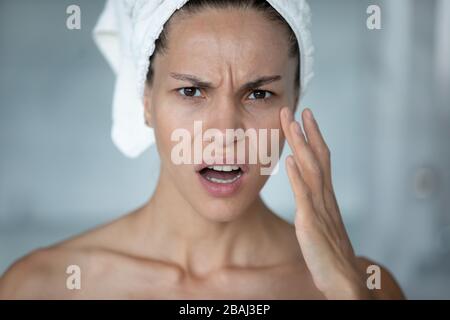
[[190, 92]]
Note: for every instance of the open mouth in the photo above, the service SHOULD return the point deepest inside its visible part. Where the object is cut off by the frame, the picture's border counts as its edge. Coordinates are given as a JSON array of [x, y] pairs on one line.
[[221, 174], [222, 180]]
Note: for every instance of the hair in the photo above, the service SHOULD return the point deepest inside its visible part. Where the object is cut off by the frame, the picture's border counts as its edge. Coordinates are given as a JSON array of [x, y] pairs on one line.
[[195, 6]]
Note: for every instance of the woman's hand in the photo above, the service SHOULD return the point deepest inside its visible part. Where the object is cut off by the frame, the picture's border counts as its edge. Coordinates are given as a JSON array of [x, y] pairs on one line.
[[320, 231]]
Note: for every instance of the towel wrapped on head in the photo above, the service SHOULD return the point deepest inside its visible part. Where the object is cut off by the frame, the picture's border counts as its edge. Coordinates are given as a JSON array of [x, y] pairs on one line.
[[126, 32]]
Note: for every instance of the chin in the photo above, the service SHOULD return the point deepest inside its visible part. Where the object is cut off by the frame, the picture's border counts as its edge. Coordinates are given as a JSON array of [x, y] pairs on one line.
[[223, 210]]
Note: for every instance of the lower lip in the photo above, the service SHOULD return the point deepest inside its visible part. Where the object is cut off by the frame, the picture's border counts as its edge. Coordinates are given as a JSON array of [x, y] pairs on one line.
[[221, 189]]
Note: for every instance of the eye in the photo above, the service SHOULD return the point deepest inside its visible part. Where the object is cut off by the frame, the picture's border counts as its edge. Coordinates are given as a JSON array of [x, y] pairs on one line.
[[189, 92], [260, 94]]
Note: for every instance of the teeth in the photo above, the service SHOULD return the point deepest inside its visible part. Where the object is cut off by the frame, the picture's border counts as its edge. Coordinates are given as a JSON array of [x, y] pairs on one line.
[[224, 168], [223, 181]]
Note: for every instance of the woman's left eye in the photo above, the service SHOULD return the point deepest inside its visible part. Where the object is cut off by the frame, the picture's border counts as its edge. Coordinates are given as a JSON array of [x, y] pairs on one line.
[[260, 94], [190, 92]]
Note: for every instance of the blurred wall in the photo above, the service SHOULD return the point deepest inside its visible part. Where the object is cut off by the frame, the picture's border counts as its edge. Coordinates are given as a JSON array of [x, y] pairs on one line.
[[381, 98]]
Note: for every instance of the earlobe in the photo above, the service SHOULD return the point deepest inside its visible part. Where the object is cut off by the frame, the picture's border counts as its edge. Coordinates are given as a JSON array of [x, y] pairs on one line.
[[147, 118]]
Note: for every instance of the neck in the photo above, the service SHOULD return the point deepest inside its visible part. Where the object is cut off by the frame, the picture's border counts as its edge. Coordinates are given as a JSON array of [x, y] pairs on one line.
[[177, 233]]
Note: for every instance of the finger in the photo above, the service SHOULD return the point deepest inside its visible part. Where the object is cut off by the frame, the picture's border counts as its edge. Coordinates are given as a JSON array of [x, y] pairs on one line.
[[322, 153], [318, 145], [303, 156], [302, 193], [297, 142], [306, 160], [286, 118], [307, 218]]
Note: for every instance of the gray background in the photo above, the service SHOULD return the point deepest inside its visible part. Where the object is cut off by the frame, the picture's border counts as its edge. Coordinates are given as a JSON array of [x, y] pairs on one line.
[[381, 97]]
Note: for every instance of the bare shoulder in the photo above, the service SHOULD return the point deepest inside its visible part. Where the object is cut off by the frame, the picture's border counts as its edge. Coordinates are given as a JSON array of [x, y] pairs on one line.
[[103, 256], [43, 272], [390, 289]]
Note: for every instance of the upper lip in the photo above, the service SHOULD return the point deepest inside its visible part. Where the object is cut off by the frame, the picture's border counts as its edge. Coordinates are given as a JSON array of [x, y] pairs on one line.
[[199, 167]]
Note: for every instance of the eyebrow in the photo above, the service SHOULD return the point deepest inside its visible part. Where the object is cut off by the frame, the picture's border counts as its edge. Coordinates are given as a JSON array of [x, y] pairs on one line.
[[197, 82]]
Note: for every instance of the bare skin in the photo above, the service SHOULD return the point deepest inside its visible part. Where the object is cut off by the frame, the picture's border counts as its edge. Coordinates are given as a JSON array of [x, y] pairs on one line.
[[114, 269], [184, 244]]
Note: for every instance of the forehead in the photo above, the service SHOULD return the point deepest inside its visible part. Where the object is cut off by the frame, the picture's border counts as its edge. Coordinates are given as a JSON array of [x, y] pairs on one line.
[[244, 39]]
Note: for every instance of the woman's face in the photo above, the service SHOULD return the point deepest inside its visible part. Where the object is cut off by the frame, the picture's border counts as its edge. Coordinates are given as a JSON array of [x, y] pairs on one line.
[[225, 50]]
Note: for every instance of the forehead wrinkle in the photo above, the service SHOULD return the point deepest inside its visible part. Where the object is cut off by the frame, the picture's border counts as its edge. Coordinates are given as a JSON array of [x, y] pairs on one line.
[[230, 57]]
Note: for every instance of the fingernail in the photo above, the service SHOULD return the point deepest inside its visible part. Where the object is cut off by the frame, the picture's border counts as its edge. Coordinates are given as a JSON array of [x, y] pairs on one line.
[[287, 113], [309, 114]]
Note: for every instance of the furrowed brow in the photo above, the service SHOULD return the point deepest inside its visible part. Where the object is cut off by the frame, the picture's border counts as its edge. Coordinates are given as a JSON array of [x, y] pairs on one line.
[[260, 82], [197, 82]]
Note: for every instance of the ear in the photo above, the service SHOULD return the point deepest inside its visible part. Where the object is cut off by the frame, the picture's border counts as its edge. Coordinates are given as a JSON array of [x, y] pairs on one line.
[[147, 106]]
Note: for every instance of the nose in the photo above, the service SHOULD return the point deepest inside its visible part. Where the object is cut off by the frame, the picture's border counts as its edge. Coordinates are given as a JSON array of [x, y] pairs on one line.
[[223, 114]]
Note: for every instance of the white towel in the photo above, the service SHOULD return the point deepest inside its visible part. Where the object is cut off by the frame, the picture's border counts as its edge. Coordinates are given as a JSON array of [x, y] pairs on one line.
[[126, 32]]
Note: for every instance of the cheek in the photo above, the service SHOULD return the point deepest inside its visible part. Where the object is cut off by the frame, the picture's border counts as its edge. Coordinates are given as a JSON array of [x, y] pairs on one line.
[[275, 135], [165, 124]]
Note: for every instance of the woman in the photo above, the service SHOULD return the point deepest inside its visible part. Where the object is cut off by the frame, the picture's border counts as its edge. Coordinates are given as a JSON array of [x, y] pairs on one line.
[[205, 232]]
